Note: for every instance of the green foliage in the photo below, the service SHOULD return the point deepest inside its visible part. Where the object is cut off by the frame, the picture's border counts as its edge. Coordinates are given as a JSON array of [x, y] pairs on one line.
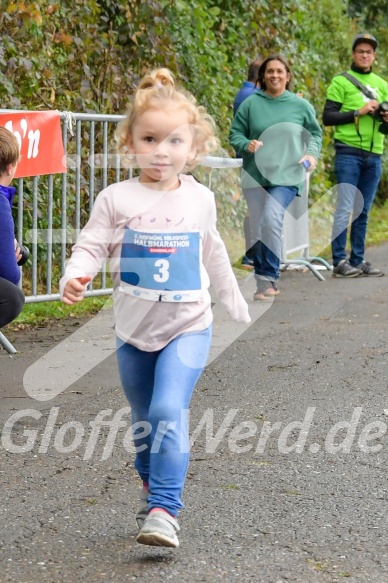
[[89, 56], [57, 55]]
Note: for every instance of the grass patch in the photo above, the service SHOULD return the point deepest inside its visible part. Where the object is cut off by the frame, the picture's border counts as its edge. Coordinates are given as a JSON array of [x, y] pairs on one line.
[[235, 244], [43, 313], [320, 229], [378, 225]]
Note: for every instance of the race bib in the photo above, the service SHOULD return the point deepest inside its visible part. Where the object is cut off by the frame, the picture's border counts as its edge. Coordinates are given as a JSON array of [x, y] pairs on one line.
[[161, 266]]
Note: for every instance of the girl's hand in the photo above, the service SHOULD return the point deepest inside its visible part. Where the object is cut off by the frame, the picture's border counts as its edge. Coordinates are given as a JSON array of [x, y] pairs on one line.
[[241, 315], [312, 161], [254, 145], [75, 289], [244, 319]]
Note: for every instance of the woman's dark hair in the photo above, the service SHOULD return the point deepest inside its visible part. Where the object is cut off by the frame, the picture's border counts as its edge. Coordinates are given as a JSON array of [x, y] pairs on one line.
[[263, 67]]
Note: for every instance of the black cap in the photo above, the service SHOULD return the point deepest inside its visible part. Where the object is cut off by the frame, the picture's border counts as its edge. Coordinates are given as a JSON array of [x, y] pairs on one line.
[[365, 37]]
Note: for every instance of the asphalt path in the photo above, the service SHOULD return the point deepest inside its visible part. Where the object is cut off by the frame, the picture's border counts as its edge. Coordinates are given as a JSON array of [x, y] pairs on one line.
[[287, 480]]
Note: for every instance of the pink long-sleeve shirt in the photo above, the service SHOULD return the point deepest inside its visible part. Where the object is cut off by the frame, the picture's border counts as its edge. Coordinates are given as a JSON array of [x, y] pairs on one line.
[[164, 251]]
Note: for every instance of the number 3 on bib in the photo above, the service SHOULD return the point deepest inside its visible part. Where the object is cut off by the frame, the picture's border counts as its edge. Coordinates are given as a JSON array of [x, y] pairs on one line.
[[163, 274]]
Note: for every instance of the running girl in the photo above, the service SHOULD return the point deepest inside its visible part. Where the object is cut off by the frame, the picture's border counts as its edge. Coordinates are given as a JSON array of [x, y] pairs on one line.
[[159, 231]]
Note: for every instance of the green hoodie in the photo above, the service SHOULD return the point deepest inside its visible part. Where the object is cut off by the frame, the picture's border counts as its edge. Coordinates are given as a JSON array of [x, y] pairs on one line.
[[288, 128]]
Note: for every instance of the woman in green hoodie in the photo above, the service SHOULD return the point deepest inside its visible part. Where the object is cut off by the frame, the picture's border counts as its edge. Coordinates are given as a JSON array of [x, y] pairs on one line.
[[280, 139]]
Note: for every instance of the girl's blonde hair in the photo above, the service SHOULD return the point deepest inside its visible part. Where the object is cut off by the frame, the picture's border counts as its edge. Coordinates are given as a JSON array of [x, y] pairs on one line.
[[156, 91]]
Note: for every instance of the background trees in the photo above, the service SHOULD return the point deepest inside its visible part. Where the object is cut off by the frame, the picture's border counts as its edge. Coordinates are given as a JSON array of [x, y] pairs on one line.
[[88, 56]]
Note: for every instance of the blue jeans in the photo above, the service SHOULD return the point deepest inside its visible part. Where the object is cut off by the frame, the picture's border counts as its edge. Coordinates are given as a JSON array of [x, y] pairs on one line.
[[266, 209], [357, 179], [159, 386]]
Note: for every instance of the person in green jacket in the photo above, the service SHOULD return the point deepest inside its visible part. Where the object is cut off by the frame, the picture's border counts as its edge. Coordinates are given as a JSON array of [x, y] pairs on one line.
[[279, 137], [360, 124]]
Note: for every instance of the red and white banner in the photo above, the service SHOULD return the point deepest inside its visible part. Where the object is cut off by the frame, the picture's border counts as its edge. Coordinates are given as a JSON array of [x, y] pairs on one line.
[[40, 139]]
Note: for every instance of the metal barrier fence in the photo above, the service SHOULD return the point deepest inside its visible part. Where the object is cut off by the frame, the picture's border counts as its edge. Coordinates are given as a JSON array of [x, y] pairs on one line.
[[296, 238], [54, 202]]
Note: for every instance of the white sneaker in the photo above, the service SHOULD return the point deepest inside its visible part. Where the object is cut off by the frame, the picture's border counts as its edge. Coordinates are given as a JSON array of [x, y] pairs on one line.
[[159, 529]]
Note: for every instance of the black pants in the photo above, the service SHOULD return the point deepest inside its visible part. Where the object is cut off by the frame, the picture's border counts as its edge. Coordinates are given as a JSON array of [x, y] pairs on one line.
[[11, 301]]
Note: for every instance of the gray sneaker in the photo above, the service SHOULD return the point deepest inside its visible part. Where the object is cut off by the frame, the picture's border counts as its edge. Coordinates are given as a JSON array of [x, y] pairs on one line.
[[159, 530], [368, 271], [142, 510], [344, 269]]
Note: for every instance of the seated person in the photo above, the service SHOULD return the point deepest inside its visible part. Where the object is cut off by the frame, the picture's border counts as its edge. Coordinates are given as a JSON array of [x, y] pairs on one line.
[[11, 297]]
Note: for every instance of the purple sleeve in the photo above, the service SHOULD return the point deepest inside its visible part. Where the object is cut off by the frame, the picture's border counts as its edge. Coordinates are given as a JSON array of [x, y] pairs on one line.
[[9, 268]]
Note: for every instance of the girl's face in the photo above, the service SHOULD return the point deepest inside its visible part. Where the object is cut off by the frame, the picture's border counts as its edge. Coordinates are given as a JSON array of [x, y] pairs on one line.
[[276, 78], [162, 142]]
